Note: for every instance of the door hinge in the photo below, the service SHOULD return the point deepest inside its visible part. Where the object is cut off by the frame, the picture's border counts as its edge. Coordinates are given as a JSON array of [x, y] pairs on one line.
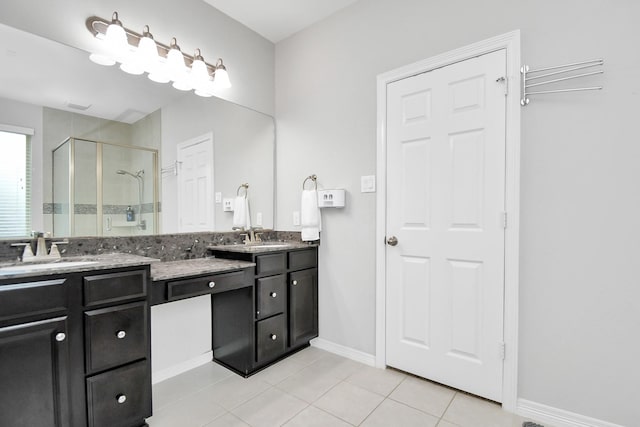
[[504, 219], [505, 83], [501, 350]]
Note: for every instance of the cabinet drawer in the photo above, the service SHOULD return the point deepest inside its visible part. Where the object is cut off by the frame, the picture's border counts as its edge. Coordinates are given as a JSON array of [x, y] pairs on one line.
[[271, 263], [115, 336], [114, 287], [306, 258], [270, 295], [26, 299], [179, 289], [119, 398], [270, 340]]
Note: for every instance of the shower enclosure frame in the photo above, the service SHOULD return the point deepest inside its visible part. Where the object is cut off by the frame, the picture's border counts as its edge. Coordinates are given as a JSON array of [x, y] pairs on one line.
[[99, 180]]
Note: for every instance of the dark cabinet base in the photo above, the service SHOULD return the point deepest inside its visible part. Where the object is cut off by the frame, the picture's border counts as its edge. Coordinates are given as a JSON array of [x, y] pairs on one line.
[[278, 317]]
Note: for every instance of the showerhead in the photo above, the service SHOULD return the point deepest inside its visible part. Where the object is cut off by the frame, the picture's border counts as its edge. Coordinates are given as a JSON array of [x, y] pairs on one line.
[[138, 174]]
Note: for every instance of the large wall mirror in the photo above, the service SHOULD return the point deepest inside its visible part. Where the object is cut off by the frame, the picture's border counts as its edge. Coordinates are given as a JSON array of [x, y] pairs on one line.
[[117, 150]]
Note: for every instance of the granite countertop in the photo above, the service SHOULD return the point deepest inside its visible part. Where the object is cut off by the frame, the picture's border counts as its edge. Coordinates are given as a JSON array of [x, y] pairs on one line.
[[194, 267], [16, 270], [263, 247]]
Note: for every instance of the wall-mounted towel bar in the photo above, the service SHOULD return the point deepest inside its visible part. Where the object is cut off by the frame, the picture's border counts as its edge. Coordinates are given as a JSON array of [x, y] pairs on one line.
[[529, 75], [246, 189], [312, 178], [173, 169]]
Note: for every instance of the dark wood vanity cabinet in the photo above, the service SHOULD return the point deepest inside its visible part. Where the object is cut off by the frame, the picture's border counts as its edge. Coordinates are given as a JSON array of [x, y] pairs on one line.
[[117, 348], [285, 313], [34, 373], [71, 346], [34, 352]]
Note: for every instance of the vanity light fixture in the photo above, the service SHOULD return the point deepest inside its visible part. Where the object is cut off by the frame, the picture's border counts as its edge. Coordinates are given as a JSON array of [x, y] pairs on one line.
[[140, 53]]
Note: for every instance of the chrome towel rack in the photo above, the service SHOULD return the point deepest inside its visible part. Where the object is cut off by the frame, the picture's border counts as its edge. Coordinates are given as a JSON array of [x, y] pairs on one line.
[[313, 178], [560, 70], [173, 169], [246, 190]]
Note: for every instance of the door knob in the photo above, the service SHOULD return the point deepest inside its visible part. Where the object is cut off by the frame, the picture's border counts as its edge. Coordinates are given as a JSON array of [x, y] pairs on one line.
[[392, 241]]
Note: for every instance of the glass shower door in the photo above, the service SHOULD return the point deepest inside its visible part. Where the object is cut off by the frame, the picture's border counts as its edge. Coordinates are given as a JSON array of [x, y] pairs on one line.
[[128, 196]]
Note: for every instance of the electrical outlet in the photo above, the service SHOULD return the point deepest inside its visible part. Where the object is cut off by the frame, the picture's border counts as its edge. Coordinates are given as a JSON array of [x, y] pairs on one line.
[[296, 218], [259, 219]]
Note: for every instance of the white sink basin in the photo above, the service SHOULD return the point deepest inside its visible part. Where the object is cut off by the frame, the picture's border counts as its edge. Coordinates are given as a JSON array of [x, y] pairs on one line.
[[26, 268]]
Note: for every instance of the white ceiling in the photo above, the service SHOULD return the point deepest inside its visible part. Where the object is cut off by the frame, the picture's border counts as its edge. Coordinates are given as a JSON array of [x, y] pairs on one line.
[[278, 19]]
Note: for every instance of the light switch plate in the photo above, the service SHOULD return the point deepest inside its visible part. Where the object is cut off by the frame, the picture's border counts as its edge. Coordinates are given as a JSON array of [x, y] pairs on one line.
[[296, 218], [218, 197], [259, 219], [368, 184]]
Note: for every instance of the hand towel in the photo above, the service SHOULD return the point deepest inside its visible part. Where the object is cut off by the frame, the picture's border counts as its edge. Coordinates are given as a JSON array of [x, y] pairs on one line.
[[310, 216], [241, 214]]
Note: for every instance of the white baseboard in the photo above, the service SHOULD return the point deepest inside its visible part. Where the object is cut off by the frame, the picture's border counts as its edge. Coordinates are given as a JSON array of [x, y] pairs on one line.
[[341, 350], [178, 369], [557, 417]]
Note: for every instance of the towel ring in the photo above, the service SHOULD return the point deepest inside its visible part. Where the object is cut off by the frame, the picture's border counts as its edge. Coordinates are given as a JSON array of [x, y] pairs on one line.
[[246, 190], [312, 178]]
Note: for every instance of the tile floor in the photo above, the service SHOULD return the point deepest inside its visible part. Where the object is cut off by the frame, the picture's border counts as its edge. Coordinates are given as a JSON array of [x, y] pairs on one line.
[[316, 388]]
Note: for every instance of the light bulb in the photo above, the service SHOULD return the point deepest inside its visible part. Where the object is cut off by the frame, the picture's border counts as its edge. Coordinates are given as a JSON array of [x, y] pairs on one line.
[[199, 72], [116, 38], [205, 90], [183, 83], [221, 77], [147, 53], [176, 67], [102, 59]]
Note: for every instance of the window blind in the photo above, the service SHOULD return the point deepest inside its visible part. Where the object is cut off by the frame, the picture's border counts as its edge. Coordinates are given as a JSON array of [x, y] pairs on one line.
[[15, 185]]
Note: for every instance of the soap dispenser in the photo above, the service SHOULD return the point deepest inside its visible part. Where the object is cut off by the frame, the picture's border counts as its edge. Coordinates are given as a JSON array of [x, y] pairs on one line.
[[130, 214]]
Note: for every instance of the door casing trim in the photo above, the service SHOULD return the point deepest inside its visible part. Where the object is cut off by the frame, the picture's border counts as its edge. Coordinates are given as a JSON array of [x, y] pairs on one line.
[[511, 43]]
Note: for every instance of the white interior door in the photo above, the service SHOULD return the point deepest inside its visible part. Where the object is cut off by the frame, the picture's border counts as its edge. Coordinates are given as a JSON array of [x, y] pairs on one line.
[[445, 203], [195, 185]]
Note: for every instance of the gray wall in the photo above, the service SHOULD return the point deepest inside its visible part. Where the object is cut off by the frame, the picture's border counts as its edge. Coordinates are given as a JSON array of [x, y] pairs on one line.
[[247, 56], [579, 322], [243, 150]]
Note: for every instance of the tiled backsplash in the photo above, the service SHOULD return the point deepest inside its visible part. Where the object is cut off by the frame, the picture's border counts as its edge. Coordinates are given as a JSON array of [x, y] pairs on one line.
[[166, 247]]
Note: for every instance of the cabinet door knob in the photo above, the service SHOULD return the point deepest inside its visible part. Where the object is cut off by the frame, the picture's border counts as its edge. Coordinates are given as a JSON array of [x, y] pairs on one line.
[[212, 284], [121, 334], [273, 294], [295, 282], [274, 337], [121, 398], [61, 336]]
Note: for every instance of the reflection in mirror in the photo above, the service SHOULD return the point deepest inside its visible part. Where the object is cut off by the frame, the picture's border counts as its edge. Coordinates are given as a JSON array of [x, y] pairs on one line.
[[84, 101], [103, 207]]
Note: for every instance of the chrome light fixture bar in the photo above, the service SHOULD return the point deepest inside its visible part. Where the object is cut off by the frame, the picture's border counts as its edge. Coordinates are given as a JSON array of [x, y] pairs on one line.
[[140, 53]]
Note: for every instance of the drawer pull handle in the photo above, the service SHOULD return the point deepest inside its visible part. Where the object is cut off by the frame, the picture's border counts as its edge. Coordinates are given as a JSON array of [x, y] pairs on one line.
[[61, 336], [273, 294], [121, 398], [121, 334], [212, 284], [295, 282], [274, 337]]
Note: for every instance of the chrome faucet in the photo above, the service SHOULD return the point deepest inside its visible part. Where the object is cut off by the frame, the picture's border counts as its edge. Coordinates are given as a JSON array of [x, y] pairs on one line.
[[41, 249], [251, 237]]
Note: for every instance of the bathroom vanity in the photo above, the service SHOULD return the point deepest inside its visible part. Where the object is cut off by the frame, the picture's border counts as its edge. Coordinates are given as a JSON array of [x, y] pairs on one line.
[[75, 344], [284, 315]]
